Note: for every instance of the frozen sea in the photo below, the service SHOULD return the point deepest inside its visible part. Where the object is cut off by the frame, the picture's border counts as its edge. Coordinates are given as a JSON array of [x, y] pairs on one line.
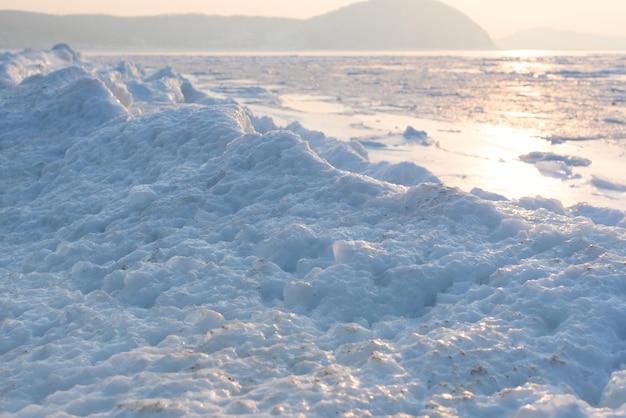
[[519, 124], [436, 235]]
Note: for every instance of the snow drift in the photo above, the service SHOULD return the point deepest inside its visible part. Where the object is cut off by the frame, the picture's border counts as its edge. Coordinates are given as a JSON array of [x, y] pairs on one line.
[[160, 255]]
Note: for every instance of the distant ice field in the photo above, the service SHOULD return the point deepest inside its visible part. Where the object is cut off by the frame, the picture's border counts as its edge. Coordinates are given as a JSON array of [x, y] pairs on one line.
[[230, 236], [483, 112]]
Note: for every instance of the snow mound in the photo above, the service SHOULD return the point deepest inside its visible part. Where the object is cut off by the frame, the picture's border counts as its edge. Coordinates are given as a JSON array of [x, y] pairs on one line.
[[605, 183], [535, 157], [162, 256], [555, 165], [15, 67], [352, 156], [418, 137]]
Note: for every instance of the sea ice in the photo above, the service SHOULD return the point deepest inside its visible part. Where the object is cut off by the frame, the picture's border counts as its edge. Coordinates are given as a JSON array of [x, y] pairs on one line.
[[169, 253]]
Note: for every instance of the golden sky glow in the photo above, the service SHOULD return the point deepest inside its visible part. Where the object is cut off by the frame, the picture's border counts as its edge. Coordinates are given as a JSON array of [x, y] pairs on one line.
[[500, 18]]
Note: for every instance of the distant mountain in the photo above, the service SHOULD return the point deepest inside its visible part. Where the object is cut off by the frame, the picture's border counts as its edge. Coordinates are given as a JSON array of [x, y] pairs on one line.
[[396, 24], [559, 40], [172, 32], [371, 25]]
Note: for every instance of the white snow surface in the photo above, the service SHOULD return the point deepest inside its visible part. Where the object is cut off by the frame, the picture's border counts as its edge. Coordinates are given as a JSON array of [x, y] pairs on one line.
[[165, 253]]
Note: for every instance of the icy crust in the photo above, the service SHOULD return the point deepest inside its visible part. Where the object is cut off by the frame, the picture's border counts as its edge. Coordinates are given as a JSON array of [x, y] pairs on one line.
[[15, 67], [179, 263]]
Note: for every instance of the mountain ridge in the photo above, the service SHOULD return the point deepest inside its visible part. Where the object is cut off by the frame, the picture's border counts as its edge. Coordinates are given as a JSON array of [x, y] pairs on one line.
[[370, 25]]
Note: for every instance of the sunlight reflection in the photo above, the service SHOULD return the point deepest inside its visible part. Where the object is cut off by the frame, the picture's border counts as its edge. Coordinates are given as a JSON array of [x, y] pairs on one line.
[[312, 104], [510, 143], [501, 170], [523, 101], [527, 53], [515, 179], [526, 66]]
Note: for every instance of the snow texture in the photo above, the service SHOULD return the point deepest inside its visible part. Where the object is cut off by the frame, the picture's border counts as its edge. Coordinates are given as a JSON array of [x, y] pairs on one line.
[[165, 253]]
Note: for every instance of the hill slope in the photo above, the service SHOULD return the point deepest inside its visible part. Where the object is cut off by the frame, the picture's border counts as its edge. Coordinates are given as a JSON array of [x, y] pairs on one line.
[[397, 24], [373, 25]]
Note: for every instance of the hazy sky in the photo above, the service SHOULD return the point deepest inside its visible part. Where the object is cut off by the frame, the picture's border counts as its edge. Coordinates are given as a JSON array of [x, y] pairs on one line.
[[498, 17]]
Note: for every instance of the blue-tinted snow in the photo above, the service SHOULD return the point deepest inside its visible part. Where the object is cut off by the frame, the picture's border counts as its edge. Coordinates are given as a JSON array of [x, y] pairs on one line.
[[490, 109], [167, 253]]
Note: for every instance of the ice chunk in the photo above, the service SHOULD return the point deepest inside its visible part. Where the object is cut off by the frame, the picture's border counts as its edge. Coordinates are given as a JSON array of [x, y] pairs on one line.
[[614, 395], [418, 137]]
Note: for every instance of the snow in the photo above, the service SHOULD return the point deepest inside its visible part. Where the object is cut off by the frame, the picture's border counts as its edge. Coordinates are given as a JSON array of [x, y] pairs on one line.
[[167, 252]]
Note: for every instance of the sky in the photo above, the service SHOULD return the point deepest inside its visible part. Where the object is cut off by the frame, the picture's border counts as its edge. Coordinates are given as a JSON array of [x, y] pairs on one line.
[[499, 17]]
